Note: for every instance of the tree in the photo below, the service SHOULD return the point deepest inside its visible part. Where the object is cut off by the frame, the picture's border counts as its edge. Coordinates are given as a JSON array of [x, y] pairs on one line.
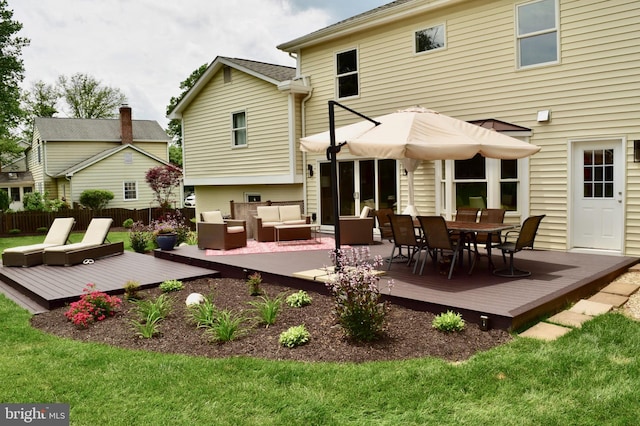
[[88, 98], [163, 180], [11, 75], [40, 101], [175, 126], [175, 154]]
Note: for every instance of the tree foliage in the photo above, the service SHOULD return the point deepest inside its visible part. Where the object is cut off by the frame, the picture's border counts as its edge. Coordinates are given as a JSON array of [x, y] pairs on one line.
[[41, 100], [175, 126], [175, 154], [11, 75], [163, 180], [96, 199], [87, 97], [4, 200]]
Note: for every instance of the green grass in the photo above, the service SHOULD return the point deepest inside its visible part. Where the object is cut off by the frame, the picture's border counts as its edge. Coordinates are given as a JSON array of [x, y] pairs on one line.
[[588, 377]]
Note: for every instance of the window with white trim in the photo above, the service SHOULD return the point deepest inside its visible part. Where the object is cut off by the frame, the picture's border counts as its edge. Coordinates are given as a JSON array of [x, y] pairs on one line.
[[537, 33], [239, 129], [428, 39], [347, 84], [130, 190]]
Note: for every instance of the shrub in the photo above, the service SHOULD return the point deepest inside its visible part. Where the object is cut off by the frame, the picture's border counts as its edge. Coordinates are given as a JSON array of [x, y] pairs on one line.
[[147, 327], [203, 314], [33, 201], [448, 321], [92, 306], [267, 309], [140, 237], [299, 299], [227, 326], [171, 285], [163, 180], [356, 295], [150, 314], [95, 199], [192, 238], [294, 336], [127, 223], [5, 201], [131, 290], [42, 230], [254, 282], [14, 231]]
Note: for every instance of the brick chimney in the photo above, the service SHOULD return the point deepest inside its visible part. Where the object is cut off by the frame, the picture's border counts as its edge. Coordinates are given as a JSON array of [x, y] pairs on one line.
[[126, 127]]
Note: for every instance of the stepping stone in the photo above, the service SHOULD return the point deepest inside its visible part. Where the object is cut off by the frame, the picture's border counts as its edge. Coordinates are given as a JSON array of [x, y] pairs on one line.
[[635, 268], [570, 319], [545, 331], [311, 274], [610, 299], [623, 289], [591, 308]]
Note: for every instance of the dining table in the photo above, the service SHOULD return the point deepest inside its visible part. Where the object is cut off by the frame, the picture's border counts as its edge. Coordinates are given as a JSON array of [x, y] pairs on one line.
[[480, 227]]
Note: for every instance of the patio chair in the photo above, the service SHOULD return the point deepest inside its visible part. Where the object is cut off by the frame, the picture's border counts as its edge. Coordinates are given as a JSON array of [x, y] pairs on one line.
[[384, 225], [94, 245], [404, 235], [466, 214], [31, 255], [490, 216], [216, 233], [357, 229], [438, 238], [526, 236]]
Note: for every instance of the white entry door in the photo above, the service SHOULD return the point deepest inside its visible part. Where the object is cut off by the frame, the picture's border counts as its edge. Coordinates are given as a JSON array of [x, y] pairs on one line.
[[598, 184]]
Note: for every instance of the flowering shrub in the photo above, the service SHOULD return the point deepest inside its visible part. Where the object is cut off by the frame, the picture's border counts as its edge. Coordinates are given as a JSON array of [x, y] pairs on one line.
[[171, 223], [92, 306], [357, 297]]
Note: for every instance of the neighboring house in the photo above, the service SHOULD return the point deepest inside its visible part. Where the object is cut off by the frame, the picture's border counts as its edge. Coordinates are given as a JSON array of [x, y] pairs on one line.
[[561, 74], [241, 125], [71, 155], [16, 180]]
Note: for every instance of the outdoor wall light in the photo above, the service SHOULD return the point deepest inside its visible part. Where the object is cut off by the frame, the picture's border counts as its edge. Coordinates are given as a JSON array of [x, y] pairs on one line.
[[484, 322], [544, 115], [310, 169], [636, 151]]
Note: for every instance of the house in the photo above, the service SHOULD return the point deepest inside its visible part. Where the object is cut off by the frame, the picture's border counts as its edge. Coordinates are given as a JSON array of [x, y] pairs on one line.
[[16, 180], [560, 74], [70, 155], [241, 126]]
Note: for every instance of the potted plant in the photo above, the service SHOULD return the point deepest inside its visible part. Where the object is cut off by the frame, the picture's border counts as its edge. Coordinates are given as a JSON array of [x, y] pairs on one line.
[[166, 236]]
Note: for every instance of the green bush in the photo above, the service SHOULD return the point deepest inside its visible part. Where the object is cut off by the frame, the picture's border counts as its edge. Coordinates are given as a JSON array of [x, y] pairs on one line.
[[95, 199], [294, 336], [267, 309], [127, 223], [203, 314], [227, 326], [140, 236], [33, 202], [131, 290], [5, 201], [299, 299], [448, 321], [42, 230], [14, 231], [171, 285]]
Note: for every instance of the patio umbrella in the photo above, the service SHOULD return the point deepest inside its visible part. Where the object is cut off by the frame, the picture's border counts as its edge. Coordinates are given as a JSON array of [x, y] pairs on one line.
[[417, 133]]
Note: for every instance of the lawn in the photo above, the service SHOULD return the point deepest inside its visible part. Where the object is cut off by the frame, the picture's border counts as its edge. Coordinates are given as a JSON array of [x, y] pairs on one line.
[[588, 377]]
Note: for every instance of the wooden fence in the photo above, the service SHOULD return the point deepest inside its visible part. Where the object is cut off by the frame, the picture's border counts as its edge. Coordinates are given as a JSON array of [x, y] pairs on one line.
[[24, 222]]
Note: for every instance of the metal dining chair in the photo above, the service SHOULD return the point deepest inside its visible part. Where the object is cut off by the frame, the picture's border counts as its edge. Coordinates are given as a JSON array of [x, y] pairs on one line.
[[466, 214], [404, 235], [526, 236], [439, 239]]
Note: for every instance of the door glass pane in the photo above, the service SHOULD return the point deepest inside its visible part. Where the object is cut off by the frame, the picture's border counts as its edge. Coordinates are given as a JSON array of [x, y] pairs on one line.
[[367, 185], [387, 183], [598, 172], [326, 203], [346, 188]]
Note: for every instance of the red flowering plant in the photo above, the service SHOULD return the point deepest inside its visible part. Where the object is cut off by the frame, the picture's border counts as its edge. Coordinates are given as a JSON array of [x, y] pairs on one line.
[[93, 306]]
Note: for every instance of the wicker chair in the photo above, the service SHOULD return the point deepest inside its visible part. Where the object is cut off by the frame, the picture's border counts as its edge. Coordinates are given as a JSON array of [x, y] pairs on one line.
[[216, 233]]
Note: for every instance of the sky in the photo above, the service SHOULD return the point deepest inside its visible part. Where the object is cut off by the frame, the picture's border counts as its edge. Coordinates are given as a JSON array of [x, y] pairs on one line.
[[146, 48]]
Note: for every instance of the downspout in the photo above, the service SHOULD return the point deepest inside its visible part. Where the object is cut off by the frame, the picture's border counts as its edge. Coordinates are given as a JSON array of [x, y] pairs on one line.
[[303, 133]]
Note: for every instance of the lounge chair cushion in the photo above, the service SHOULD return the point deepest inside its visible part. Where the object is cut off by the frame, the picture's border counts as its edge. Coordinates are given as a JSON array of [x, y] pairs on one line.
[[57, 235], [97, 231], [290, 213], [32, 248], [268, 213], [212, 217]]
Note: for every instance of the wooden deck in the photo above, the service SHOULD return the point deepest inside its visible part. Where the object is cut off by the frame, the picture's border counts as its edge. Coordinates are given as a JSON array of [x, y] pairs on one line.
[[558, 279]]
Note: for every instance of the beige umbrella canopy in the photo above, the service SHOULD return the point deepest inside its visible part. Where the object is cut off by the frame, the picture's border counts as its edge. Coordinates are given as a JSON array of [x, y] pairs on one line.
[[418, 133]]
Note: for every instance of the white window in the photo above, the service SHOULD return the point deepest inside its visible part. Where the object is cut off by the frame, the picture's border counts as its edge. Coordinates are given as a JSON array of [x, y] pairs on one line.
[[347, 84], [537, 33], [130, 190], [431, 38], [239, 129]]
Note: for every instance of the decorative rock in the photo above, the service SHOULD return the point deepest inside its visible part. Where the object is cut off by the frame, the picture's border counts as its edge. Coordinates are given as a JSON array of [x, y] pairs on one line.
[[194, 299]]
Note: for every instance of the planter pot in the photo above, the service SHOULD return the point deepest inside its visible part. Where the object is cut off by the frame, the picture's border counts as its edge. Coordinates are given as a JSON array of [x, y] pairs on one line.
[[166, 241]]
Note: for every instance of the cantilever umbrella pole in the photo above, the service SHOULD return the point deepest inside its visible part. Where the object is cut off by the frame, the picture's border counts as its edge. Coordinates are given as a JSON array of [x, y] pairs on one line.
[[332, 152]]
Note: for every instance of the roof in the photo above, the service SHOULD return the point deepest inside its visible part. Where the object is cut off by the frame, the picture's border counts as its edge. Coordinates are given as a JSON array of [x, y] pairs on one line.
[[271, 73], [499, 125], [10, 178], [84, 129], [381, 15], [101, 156]]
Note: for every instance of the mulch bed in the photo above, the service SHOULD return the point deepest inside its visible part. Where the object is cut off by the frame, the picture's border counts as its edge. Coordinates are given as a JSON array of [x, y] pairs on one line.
[[408, 334]]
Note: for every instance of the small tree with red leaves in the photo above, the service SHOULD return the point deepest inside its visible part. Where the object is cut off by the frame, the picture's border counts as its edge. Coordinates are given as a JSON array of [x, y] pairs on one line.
[[163, 180]]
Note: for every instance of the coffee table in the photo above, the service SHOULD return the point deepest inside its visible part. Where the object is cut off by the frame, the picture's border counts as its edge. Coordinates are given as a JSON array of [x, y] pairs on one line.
[[282, 231]]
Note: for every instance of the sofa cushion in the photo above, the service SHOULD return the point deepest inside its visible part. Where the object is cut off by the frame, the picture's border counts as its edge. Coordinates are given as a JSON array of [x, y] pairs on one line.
[[288, 213], [268, 213], [294, 222], [235, 229], [212, 217], [270, 224]]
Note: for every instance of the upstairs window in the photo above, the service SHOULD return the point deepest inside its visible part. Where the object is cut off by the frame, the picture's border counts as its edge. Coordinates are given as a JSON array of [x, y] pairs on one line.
[[431, 38], [239, 129], [537, 33], [347, 73]]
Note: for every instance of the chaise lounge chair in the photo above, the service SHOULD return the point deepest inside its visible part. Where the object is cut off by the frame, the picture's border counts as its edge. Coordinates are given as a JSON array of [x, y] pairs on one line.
[[32, 254], [92, 246]]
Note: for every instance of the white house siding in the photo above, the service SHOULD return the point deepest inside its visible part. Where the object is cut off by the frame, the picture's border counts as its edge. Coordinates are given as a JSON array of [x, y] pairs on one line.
[[110, 173], [36, 168], [207, 131], [592, 92], [159, 149], [62, 155]]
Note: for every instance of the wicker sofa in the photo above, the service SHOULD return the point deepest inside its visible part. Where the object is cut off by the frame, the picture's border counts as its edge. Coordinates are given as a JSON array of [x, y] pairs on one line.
[[267, 217]]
